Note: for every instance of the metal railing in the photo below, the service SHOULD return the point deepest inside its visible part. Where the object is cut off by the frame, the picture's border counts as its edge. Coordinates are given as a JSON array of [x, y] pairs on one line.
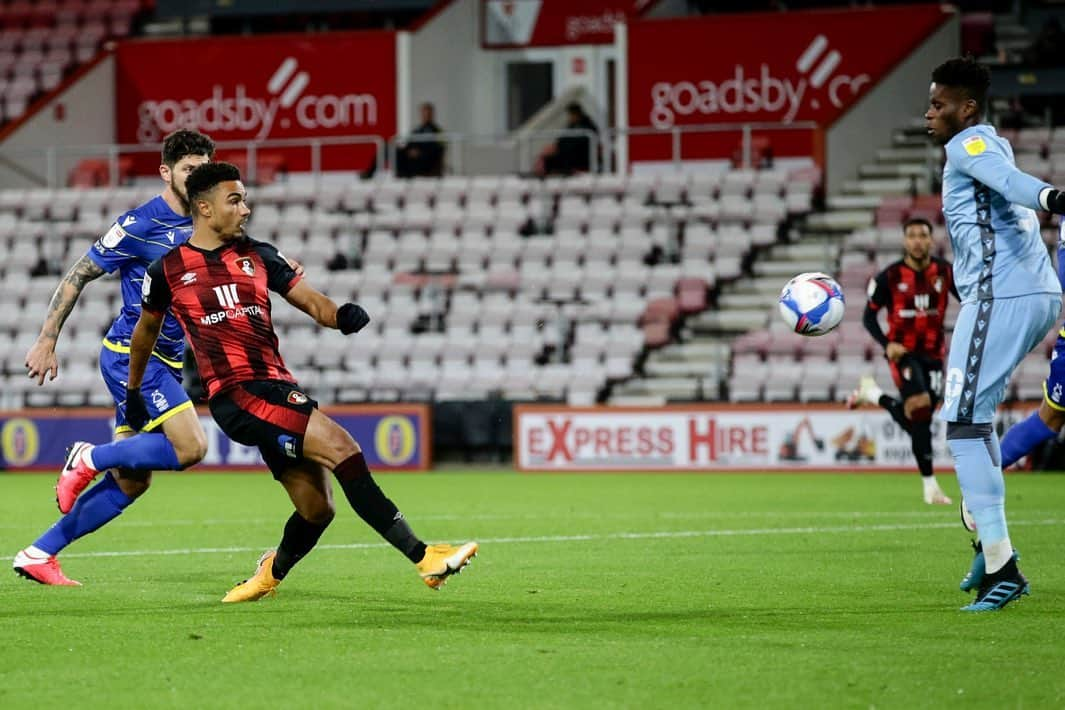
[[513, 153], [678, 133]]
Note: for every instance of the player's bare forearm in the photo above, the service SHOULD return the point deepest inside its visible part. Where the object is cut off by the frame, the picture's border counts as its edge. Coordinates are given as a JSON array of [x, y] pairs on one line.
[[66, 295], [314, 303], [141, 344]]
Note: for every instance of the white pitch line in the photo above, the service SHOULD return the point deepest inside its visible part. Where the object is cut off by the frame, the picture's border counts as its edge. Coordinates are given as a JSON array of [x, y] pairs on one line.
[[566, 515], [590, 537]]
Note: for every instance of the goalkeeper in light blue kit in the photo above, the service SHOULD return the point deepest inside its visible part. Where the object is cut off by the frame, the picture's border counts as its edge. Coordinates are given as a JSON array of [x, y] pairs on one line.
[[1010, 299]]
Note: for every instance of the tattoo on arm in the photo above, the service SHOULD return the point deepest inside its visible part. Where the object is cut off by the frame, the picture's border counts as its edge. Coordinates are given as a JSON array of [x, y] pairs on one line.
[[66, 295]]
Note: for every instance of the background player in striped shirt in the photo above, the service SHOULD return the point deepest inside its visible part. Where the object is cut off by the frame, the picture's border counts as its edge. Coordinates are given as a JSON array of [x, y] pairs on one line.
[[914, 290], [217, 284]]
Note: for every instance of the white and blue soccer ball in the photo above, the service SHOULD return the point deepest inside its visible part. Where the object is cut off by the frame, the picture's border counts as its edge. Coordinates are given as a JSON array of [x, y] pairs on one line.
[[812, 303]]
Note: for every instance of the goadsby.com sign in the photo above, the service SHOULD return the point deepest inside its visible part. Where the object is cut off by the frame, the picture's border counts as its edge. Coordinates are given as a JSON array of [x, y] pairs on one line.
[[258, 88], [796, 66]]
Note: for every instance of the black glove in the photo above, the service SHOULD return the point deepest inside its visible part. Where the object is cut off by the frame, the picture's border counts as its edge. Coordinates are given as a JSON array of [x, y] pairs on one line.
[[351, 318], [1056, 202], [136, 412]]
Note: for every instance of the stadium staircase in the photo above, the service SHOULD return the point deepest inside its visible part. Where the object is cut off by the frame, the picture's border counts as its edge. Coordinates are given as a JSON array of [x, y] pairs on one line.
[[740, 350]]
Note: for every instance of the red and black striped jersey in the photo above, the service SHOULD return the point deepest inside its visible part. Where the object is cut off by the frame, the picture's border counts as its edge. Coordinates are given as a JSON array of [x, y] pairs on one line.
[[221, 299], [916, 303]]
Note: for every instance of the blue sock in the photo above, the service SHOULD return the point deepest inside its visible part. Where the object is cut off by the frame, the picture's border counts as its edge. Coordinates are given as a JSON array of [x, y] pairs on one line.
[[95, 507], [1023, 437], [982, 485], [147, 451]]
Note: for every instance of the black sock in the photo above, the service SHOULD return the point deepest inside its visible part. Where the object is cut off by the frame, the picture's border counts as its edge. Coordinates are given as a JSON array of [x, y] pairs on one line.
[[299, 538], [371, 504], [894, 408], [921, 441]]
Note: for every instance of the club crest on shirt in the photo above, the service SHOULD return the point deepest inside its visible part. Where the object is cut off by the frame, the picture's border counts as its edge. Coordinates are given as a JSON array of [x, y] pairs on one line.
[[295, 397], [246, 265]]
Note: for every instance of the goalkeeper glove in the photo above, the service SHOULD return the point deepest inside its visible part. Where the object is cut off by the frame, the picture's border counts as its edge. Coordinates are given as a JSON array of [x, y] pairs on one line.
[[351, 318], [1053, 200], [136, 411]]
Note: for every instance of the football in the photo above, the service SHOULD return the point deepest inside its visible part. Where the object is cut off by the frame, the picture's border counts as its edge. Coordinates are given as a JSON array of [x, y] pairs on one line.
[[812, 303]]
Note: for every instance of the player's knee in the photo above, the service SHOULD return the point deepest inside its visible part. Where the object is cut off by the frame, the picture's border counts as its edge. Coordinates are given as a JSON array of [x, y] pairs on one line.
[[918, 408], [321, 513], [133, 483], [191, 452], [1053, 418], [920, 415]]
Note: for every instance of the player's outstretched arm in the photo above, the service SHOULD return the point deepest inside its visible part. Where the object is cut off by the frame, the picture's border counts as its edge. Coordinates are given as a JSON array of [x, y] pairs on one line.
[[348, 318], [979, 160], [41, 359], [141, 344]]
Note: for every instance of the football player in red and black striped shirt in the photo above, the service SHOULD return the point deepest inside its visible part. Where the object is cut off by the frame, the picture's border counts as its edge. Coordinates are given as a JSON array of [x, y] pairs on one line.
[[914, 290], [217, 285]]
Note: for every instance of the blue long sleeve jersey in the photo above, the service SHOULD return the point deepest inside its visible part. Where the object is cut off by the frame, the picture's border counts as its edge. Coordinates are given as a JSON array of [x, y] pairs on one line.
[[989, 208], [136, 239]]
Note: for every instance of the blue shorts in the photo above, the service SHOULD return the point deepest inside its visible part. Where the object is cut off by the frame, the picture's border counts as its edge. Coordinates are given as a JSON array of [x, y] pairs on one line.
[[163, 394], [1054, 387], [990, 339]]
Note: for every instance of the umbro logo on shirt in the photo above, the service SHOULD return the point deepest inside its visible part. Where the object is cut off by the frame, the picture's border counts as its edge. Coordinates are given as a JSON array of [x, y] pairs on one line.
[[188, 278]]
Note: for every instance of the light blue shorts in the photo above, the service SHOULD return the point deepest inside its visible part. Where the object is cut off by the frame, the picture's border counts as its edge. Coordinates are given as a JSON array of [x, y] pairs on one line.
[[990, 339]]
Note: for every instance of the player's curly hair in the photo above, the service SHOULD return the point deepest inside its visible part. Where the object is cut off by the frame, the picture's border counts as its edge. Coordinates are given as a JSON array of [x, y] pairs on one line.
[[182, 143], [967, 74], [204, 177]]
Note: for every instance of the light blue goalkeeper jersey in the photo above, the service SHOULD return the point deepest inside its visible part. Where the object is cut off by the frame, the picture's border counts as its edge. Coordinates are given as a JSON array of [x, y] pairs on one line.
[[989, 207]]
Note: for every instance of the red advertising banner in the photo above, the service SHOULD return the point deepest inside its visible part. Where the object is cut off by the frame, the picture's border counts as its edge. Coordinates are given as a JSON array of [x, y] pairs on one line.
[[261, 88], [721, 438], [546, 23], [762, 67]]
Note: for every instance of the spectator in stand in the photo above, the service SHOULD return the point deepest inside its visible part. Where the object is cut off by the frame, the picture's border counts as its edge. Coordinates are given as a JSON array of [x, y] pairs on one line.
[[422, 158], [419, 158], [570, 153]]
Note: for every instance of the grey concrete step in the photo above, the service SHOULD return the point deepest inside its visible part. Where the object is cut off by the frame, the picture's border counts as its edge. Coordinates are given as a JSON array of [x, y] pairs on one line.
[[729, 321], [904, 155], [853, 202], [686, 388], [732, 301], [890, 170], [840, 220], [686, 368], [702, 350], [786, 269], [761, 285], [805, 250]]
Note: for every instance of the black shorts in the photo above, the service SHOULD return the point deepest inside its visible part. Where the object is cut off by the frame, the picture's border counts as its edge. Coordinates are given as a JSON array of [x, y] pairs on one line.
[[268, 414], [917, 374]]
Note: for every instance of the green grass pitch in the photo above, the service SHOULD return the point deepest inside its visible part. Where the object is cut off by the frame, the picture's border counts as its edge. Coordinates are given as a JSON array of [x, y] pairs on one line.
[[641, 591]]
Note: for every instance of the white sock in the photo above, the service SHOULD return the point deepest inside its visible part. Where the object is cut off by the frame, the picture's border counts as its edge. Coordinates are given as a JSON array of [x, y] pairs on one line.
[[875, 393], [996, 554], [86, 458], [33, 551], [930, 483]]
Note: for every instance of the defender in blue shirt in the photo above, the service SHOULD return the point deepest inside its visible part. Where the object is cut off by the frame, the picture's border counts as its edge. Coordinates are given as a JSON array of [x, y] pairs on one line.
[[1010, 299], [174, 437]]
